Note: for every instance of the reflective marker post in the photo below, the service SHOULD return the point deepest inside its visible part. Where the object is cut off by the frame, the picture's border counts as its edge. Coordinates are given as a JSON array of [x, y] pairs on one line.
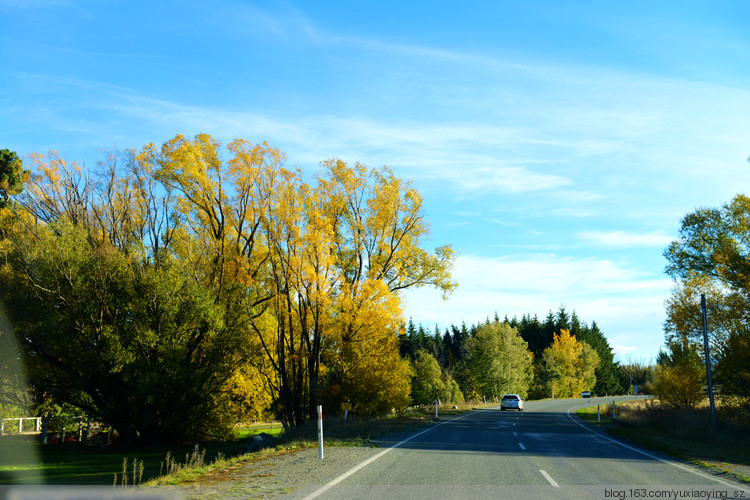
[[320, 430]]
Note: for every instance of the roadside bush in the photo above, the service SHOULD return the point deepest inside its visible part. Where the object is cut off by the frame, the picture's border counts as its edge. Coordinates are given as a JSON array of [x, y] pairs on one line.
[[679, 381], [688, 424]]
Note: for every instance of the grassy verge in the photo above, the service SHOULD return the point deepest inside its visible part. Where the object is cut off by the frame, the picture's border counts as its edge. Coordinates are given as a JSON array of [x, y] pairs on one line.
[[684, 435], [74, 464], [24, 461], [354, 432]]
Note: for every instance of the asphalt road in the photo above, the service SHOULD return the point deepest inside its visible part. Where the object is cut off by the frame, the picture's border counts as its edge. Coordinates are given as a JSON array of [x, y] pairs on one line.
[[544, 452]]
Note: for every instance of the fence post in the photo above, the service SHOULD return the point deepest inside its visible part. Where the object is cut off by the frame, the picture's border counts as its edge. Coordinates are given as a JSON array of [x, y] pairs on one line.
[[436, 408], [598, 414], [2, 426], [613, 409], [37, 424], [44, 430]]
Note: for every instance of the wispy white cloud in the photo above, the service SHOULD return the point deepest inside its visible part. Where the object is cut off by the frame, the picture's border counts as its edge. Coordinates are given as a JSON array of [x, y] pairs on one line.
[[624, 239], [284, 21], [551, 274], [624, 350], [534, 281], [424, 150]]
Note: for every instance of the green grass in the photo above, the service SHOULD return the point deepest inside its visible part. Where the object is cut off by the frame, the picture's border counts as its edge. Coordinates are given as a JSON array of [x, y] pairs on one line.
[[246, 432], [687, 435], [23, 461]]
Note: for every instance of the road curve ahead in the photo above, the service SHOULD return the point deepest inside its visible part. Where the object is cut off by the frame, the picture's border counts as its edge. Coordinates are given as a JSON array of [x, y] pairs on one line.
[[544, 452]]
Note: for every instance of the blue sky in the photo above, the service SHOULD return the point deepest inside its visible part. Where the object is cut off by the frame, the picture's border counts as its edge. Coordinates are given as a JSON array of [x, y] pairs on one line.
[[556, 144]]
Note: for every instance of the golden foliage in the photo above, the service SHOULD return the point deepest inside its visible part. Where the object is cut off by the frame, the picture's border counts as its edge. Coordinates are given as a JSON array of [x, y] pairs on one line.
[[569, 365], [311, 271]]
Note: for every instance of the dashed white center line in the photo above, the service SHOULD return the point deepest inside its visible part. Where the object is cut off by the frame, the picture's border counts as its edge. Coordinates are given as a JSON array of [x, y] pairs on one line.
[[522, 446], [515, 434], [549, 478]]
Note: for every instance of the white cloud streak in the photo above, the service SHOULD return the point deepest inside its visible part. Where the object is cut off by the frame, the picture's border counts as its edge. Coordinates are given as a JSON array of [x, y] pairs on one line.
[[624, 239]]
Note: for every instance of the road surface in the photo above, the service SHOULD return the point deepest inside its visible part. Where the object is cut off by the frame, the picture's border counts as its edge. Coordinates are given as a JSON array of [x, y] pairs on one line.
[[544, 452]]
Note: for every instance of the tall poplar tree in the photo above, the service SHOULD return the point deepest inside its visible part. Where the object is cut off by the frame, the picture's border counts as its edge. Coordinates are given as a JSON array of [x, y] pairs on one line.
[[498, 361]]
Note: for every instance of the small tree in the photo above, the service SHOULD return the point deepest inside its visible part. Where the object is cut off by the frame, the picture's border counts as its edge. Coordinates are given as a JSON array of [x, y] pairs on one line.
[[452, 391], [679, 380], [568, 366], [499, 361], [427, 385]]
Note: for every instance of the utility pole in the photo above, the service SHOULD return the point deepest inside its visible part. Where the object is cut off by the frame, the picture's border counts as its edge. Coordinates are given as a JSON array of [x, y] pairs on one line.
[[708, 362]]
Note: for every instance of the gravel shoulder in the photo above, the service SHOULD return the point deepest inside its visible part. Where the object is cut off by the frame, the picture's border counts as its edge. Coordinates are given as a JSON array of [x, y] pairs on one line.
[[295, 473]]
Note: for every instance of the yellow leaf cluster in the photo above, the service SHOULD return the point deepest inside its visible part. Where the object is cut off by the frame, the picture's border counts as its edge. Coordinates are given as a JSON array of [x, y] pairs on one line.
[[569, 365], [314, 269]]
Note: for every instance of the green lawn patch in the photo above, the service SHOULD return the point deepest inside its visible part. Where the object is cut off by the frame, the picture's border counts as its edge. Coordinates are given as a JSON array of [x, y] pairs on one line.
[[76, 464], [270, 429]]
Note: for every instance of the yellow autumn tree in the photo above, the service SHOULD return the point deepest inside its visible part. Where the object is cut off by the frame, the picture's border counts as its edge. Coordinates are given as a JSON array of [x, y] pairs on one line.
[[363, 363], [568, 366], [316, 268]]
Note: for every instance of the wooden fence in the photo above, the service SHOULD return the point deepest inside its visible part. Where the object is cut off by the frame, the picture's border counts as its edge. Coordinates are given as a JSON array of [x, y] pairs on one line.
[[37, 424], [41, 426]]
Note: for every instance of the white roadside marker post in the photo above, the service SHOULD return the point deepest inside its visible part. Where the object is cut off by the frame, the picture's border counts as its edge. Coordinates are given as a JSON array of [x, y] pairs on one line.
[[320, 431]]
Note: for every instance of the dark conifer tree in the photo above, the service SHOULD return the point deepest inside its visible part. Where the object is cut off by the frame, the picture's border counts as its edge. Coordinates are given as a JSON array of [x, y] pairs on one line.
[[562, 321]]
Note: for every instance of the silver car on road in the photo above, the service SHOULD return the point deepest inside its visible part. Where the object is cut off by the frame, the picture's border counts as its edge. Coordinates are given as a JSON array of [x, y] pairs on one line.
[[511, 402]]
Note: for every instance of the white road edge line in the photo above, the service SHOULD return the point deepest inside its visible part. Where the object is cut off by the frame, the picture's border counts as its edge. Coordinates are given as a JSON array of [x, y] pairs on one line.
[[522, 446], [367, 462], [549, 478], [674, 464]]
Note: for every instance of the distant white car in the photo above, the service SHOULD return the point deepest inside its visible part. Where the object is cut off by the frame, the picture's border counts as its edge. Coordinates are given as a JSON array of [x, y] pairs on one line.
[[511, 402], [585, 394]]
